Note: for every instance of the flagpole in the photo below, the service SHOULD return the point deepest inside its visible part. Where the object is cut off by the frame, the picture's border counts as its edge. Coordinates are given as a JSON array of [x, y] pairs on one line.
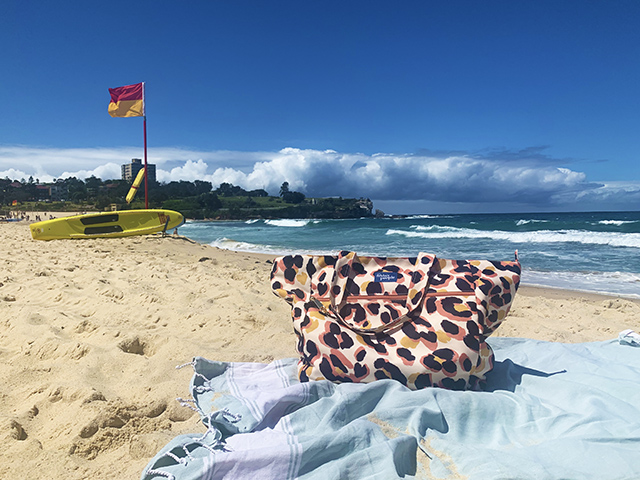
[[146, 184], [146, 170]]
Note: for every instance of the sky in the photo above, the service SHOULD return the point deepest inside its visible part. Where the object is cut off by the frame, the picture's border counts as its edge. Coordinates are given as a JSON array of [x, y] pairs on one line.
[[423, 106]]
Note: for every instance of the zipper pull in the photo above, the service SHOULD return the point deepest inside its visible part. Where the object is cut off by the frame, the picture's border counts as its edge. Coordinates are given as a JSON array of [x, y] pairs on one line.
[[320, 306]]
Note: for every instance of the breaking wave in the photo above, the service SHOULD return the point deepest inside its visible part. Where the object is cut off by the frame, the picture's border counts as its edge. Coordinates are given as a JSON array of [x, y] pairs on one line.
[[617, 223], [614, 239], [288, 223], [521, 222]]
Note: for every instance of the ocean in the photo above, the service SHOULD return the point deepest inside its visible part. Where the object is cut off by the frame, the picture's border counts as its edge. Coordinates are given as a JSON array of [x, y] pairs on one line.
[[593, 252]]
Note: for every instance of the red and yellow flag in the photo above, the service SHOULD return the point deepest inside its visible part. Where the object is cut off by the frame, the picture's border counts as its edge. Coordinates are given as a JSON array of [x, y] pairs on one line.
[[127, 101]]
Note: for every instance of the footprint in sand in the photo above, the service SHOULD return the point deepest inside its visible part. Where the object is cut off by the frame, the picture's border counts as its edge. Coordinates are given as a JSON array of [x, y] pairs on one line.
[[13, 429]]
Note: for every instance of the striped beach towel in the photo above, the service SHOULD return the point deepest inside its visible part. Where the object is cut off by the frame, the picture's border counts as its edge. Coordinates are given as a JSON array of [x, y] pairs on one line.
[[550, 410]]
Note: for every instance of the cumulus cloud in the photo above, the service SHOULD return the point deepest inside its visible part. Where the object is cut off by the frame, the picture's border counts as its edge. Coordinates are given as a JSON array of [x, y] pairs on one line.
[[189, 171], [409, 177], [46, 164], [527, 178]]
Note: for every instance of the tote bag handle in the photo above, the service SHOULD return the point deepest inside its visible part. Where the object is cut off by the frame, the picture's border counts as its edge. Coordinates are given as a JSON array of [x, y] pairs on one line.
[[418, 285]]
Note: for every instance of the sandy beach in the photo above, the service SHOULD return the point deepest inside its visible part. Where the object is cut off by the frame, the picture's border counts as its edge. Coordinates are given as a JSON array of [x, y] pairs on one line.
[[92, 332]]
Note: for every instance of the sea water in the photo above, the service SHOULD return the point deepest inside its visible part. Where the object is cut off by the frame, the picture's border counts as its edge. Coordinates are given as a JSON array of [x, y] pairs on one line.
[[597, 252]]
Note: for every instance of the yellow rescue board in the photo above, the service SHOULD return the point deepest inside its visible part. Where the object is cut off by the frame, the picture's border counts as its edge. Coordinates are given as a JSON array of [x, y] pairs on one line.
[[123, 223]]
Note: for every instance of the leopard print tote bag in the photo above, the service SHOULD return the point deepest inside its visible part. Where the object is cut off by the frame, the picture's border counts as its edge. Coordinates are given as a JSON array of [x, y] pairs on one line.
[[422, 321]]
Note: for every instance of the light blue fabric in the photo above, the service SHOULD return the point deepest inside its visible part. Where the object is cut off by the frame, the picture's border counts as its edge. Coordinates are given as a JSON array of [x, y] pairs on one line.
[[549, 411]]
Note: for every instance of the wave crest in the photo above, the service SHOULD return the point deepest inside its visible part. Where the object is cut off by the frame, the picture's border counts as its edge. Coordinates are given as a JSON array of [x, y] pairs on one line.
[[288, 223], [614, 239], [617, 223], [521, 222]]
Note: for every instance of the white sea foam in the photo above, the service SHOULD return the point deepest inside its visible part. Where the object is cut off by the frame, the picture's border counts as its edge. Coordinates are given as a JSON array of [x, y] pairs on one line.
[[616, 222], [250, 222], [426, 228], [521, 222], [238, 246], [287, 223], [418, 217], [614, 239], [610, 283]]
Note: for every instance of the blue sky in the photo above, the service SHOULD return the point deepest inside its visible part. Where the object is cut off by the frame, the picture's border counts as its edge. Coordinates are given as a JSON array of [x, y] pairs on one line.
[[459, 106]]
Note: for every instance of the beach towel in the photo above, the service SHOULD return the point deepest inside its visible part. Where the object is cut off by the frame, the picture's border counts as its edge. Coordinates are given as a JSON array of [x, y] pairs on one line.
[[549, 411]]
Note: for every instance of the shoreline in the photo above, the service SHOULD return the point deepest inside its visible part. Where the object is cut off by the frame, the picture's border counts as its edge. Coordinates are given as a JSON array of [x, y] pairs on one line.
[[612, 279], [549, 289], [590, 294], [93, 329]]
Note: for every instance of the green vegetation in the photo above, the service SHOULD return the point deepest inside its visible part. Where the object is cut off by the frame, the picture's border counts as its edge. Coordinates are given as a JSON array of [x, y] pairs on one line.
[[195, 200]]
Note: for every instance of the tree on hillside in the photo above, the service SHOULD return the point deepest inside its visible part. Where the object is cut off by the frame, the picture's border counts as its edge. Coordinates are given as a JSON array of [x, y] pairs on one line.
[[180, 189], [258, 193], [202, 186], [293, 197], [209, 200], [230, 190], [77, 190]]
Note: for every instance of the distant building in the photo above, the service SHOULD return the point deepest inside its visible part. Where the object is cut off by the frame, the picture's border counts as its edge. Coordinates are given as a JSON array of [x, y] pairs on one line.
[[43, 192], [130, 170]]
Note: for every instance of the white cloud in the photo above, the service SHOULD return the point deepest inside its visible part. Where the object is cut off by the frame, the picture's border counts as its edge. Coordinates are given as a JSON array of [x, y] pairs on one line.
[[453, 179], [189, 171], [17, 161], [106, 171]]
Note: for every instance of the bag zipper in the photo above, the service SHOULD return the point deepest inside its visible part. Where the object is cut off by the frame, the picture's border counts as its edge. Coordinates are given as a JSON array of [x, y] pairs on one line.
[[398, 296]]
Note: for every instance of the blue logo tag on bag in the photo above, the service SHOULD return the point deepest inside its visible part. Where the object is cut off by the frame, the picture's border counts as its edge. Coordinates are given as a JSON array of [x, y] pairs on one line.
[[385, 277]]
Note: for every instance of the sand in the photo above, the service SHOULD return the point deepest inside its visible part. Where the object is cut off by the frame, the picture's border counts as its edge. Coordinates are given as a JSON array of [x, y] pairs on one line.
[[91, 332]]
